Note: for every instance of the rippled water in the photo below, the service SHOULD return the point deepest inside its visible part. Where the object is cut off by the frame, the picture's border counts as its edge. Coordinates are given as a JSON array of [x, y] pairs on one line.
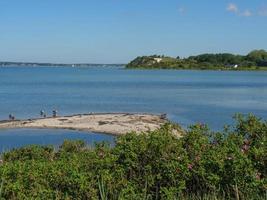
[[186, 96]]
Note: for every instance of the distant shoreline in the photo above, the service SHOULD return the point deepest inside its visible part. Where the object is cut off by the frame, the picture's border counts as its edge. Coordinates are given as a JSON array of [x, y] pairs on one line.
[[33, 64], [128, 68]]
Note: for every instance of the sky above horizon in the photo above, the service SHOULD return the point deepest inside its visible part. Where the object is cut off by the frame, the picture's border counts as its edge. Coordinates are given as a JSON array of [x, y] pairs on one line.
[[116, 31]]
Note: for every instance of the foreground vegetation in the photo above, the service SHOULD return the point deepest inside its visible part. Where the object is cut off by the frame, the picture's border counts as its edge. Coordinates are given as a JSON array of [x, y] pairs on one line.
[[255, 60], [231, 164]]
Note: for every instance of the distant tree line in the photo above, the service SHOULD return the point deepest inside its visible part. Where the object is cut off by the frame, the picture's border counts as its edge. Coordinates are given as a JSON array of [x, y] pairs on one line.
[[256, 59]]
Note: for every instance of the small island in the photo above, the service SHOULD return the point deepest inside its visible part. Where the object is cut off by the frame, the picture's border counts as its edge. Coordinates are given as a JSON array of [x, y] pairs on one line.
[[255, 60]]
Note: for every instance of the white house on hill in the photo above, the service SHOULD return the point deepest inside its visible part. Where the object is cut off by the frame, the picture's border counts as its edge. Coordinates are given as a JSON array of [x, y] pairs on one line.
[[158, 60]]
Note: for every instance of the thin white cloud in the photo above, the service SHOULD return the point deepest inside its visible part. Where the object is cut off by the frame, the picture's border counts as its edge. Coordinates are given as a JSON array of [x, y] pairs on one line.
[[232, 8], [246, 13]]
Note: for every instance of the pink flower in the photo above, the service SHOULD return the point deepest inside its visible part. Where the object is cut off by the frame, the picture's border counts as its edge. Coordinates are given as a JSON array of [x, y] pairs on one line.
[[258, 176], [245, 148], [1, 162], [190, 166]]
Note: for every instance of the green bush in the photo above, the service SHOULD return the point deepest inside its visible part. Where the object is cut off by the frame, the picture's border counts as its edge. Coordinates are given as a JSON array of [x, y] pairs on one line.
[[32, 152], [202, 164]]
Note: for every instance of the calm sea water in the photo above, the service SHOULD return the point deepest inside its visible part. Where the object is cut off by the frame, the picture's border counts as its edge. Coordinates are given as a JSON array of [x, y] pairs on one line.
[[10, 139], [211, 97]]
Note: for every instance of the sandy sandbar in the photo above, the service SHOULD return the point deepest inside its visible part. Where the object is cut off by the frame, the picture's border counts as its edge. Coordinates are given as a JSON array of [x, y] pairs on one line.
[[109, 123]]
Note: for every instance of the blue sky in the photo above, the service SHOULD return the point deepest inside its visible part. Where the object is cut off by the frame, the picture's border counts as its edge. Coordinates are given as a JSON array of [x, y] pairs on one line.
[[116, 31]]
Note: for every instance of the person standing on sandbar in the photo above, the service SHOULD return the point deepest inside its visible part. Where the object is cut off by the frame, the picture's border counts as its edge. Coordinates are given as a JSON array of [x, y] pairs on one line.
[[11, 117], [42, 113], [54, 113]]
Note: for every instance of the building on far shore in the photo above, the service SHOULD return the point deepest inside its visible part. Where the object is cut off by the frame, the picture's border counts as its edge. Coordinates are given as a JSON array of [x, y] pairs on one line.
[[233, 66], [158, 60]]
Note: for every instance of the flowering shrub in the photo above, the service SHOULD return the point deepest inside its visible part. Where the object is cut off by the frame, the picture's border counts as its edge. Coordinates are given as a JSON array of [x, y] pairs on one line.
[[154, 165]]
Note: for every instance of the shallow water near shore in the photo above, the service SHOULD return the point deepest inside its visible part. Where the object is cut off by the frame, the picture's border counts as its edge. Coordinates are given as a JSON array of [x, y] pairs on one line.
[[15, 138], [211, 97]]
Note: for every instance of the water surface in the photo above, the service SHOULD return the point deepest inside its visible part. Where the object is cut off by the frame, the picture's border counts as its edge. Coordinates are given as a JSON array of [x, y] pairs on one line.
[[211, 97], [14, 138]]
